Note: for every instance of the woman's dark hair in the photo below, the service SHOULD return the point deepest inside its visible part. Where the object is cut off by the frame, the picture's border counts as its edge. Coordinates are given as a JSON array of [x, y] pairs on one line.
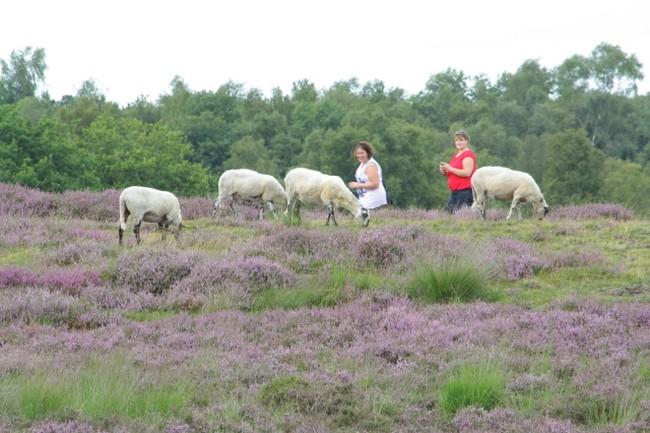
[[365, 146]]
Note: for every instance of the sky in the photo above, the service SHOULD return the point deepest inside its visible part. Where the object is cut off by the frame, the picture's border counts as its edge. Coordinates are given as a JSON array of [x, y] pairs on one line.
[[135, 48]]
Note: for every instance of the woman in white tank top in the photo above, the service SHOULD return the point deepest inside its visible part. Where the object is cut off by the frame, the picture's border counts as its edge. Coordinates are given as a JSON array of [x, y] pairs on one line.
[[369, 182]]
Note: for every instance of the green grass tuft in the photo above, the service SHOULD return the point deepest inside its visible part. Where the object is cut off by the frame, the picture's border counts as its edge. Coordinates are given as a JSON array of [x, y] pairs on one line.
[[99, 390], [450, 282], [474, 384]]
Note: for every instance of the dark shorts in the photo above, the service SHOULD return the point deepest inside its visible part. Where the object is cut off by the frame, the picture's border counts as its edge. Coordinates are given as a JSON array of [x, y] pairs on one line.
[[458, 199]]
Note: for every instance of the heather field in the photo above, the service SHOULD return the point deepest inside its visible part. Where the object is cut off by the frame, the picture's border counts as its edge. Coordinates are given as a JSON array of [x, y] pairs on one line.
[[422, 322]]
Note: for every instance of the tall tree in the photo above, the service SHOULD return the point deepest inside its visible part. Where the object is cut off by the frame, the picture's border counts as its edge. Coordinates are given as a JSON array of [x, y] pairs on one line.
[[574, 168], [22, 74]]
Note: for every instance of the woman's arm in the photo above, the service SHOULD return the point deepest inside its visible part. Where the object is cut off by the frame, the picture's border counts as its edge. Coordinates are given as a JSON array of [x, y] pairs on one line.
[[466, 171], [373, 178]]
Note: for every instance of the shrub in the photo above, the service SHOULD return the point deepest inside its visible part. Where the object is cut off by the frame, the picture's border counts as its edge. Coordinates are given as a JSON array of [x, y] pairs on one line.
[[250, 274], [13, 276], [592, 210], [21, 201], [378, 249], [153, 271], [479, 384], [451, 281], [511, 259]]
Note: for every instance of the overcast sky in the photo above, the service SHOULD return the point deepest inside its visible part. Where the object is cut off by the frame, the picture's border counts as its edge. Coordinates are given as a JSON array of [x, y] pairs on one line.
[[135, 48]]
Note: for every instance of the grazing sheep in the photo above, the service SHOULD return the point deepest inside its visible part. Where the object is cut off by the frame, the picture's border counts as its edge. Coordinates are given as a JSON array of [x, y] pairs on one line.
[[502, 183], [313, 187], [250, 186], [149, 205]]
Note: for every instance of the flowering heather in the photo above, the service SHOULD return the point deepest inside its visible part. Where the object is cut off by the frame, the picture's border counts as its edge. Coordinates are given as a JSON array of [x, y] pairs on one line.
[[64, 427], [94, 234], [73, 253], [302, 249], [19, 231], [248, 275], [336, 353], [412, 214], [378, 249], [593, 210], [98, 206], [511, 259], [13, 276], [571, 259], [69, 280], [477, 420], [39, 305], [152, 271], [195, 207], [21, 201]]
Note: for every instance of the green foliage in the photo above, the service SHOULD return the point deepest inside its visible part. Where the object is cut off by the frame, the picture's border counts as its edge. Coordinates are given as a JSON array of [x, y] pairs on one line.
[[449, 282], [286, 392], [480, 384], [625, 183], [555, 124], [22, 74], [101, 389], [574, 172], [250, 153]]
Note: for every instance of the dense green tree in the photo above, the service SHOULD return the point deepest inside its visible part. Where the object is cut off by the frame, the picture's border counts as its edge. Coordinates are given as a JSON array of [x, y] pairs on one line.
[[573, 171], [626, 183], [252, 154], [556, 125], [130, 152], [22, 74], [444, 100]]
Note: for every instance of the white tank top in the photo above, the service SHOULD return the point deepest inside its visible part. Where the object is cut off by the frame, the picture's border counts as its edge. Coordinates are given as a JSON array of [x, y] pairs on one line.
[[370, 198]]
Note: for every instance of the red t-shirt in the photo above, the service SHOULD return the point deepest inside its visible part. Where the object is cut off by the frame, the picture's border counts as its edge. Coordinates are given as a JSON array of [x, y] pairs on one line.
[[456, 182]]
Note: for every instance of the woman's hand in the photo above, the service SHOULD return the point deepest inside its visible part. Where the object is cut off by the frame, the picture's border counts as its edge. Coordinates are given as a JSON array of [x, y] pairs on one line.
[[444, 168], [354, 185]]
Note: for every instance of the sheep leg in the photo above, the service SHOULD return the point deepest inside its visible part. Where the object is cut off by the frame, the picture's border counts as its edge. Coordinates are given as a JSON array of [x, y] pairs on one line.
[[296, 207], [330, 214], [514, 204], [272, 209], [136, 231]]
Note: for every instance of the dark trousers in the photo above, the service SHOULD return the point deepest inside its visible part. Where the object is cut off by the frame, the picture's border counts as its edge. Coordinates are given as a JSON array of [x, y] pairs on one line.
[[458, 199]]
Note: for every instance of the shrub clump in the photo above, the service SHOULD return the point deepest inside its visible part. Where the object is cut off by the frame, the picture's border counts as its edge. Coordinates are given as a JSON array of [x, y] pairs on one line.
[[152, 271], [591, 211], [512, 260], [378, 249], [251, 274]]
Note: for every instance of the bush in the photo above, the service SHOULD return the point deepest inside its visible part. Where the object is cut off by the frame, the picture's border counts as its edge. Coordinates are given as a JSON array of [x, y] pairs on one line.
[[378, 249], [152, 271]]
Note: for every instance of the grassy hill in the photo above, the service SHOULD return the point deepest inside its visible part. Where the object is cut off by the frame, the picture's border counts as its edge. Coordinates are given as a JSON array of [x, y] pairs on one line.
[[423, 322]]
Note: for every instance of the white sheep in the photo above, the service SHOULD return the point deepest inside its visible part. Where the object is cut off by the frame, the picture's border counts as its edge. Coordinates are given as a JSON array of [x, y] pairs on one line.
[[313, 187], [503, 183], [250, 186], [149, 205]]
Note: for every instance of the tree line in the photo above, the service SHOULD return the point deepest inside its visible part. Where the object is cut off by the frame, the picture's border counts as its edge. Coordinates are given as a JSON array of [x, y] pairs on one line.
[[580, 129]]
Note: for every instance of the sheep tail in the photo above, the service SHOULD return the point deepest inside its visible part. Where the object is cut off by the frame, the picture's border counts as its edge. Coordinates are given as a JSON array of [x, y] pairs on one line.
[[122, 211]]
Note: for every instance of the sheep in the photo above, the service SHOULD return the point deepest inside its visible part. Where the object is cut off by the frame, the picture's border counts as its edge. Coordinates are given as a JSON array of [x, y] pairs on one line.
[[149, 205], [505, 184], [250, 186], [313, 187]]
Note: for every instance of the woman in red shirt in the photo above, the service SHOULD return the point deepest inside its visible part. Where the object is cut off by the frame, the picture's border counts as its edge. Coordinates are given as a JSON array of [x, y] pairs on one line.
[[459, 173]]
